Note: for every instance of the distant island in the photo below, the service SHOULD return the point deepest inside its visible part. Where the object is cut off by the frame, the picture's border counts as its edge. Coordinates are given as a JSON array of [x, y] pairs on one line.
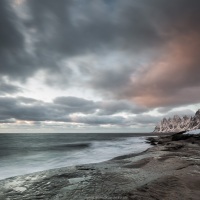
[[177, 124]]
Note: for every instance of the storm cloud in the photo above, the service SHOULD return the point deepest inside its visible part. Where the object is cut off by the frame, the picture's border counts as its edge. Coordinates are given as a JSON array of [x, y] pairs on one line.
[[98, 62], [58, 30]]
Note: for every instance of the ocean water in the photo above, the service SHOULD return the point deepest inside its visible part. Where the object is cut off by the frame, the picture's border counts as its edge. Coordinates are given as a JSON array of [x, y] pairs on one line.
[[26, 153]]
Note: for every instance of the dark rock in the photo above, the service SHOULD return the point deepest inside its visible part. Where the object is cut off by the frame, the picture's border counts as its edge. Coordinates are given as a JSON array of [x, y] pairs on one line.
[[152, 140], [180, 136]]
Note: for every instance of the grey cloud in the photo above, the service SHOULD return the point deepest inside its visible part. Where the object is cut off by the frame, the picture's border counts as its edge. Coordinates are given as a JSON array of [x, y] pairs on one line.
[[27, 100], [181, 113], [79, 27], [171, 78], [7, 121], [73, 101], [113, 107], [7, 88], [169, 110], [74, 104], [15, 61], [99, 107], [167, 31], [31, 110], [61, 29], [14, 108], [10, 36], [146, 119], [65, 109], [54, 22], [100, 120], [66, 28], [111, 80], [62, 108]]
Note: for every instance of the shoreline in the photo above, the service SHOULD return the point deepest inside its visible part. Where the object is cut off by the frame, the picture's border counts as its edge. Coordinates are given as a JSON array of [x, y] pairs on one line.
[[69, 152], [168, 170]]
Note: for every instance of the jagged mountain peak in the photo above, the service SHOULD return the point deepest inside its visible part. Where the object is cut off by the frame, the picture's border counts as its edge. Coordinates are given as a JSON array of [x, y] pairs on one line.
[[164, 120], [178, 123], [176, 117], [185, 117], [197, 113]]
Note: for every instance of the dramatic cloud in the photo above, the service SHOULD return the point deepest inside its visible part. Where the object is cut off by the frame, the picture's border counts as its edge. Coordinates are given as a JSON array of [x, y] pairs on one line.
[[173, 79], [76, 27], [15, 60], [98, 63], [58, 30]]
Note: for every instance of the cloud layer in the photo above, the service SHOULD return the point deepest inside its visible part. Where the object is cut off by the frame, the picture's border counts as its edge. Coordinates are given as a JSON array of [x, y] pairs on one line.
[[132, 57], [65, 109]]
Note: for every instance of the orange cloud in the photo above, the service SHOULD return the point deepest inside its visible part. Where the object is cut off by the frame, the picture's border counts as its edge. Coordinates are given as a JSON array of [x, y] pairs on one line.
[[172, 79]]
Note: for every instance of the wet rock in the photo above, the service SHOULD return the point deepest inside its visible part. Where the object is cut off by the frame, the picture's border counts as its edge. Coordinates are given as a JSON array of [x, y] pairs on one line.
[[152, 140]]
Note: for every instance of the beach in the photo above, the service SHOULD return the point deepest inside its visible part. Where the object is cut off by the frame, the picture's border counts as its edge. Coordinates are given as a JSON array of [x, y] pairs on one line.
[[168, 170]]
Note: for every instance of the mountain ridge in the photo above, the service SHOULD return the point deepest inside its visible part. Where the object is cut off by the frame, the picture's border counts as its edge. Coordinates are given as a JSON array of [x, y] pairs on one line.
[[177, 123]]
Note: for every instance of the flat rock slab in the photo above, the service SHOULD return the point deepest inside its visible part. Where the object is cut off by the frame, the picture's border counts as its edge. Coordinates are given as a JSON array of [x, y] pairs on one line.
[[160, 172]]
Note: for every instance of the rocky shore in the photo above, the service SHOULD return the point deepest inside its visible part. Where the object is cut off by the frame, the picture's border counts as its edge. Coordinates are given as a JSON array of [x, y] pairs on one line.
[[169, 170]]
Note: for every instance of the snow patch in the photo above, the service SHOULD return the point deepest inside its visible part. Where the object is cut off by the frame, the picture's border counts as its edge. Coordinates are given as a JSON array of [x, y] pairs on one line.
[[192, 132]]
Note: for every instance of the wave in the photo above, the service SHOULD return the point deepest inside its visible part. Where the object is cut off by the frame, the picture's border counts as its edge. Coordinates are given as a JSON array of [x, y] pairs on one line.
[[68, 146], [40, 148], [28, 157]]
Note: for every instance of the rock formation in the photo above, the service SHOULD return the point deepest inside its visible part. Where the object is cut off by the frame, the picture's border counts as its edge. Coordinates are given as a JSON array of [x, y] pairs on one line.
[[177, 124]]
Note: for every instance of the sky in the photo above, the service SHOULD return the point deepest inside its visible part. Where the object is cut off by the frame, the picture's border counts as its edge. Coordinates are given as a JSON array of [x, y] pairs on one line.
[[97, 65]]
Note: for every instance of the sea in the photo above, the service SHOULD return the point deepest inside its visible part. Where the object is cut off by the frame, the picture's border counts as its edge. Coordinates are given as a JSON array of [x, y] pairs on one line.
[[27, 153]]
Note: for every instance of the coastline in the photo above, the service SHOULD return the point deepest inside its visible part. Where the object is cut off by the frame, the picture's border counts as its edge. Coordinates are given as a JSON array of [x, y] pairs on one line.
[[168, 170], [41, 152]]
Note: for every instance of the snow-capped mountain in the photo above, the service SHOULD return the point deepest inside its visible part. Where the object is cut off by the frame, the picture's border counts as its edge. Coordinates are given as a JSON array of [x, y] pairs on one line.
[[177, 123]]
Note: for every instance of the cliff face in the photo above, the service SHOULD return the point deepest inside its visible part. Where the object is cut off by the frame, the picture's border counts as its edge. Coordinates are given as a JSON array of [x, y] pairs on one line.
[[177, 123]]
